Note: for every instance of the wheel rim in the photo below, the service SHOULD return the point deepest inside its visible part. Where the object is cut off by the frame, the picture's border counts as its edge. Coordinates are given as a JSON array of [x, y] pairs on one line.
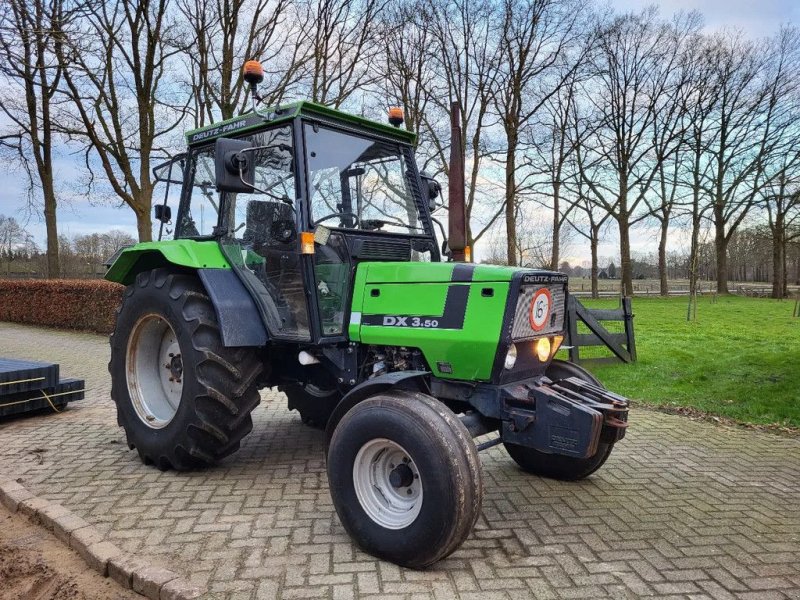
[[387, 483], [154, 368]]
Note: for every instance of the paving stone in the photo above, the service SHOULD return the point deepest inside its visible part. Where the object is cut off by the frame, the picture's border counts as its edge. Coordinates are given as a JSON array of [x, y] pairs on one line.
[[11, 495], [81, 539], [48, 515], [65, 524], [31, 506], [149, 581], [180, 589], [121, 568], [98, 555], [681, 509]]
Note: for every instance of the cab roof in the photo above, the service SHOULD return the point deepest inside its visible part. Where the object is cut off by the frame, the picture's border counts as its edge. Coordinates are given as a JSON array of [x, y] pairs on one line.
[[287, 112]]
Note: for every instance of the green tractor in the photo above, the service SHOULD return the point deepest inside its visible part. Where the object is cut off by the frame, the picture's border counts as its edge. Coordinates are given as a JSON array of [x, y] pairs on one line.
[[304, 257]]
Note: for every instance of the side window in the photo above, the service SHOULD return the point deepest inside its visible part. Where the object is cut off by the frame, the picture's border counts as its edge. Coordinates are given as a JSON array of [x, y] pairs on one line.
[[267, 216], [168, 184], [202, 209]]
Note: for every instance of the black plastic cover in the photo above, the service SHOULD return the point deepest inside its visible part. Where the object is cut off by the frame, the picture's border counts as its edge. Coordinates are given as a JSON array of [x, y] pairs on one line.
[[24, 375], [239, 319]]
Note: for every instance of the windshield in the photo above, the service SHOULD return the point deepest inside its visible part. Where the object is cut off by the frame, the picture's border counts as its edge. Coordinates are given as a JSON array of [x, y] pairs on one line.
[[358, 183]]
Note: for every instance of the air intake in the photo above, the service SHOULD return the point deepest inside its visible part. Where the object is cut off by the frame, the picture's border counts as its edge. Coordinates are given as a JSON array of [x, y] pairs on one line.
[[370, 249]]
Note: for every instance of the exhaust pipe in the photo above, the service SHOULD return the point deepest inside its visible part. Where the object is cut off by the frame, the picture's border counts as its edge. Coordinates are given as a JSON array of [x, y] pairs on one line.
[[457, 218]]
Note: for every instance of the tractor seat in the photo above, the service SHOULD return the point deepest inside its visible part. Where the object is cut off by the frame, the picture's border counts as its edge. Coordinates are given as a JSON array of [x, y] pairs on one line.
[[266, 223]]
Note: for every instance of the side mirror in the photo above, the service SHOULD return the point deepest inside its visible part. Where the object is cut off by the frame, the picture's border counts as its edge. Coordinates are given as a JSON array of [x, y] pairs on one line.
[[235, 169], [433, 188], [163, 213]]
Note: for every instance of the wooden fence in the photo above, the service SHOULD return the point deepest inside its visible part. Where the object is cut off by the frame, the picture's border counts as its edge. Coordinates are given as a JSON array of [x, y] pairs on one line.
[[622, 345]]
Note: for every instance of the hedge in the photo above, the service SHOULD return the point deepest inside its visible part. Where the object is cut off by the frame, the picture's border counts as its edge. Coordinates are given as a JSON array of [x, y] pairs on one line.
[[85, 304]]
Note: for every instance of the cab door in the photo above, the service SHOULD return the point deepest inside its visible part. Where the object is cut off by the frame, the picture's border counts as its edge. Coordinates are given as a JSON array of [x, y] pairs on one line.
[[261, 236]]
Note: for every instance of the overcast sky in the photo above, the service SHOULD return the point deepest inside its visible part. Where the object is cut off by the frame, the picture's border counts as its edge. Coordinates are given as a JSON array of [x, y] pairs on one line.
[[756, 17]]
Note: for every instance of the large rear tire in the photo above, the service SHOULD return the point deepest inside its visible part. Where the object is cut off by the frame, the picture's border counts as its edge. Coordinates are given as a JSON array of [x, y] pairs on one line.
[[183, 398], [555, 466], [405, 478]]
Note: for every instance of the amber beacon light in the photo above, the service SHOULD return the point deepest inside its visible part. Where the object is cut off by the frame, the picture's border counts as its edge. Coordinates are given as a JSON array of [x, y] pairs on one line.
[[253, 72], [396, 116]]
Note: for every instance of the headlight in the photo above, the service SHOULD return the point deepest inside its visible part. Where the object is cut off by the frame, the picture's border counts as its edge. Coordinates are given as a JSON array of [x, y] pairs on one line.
[[511, 357], [542, 348]]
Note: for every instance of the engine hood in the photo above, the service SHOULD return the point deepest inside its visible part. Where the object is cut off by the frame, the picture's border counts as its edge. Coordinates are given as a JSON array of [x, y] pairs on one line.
[[459, 315], [421, 272]]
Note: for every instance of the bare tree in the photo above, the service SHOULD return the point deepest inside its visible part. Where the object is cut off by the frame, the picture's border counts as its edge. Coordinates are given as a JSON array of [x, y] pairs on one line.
[[549, 154], [539, 38], [703, 95], [741, 136], [30, 31], [341, 42], [121, 106], [407, 73], [225, 34], [780, 195], [465, 58], [14, 239], [590, 223], [634, 79], [669, 127]]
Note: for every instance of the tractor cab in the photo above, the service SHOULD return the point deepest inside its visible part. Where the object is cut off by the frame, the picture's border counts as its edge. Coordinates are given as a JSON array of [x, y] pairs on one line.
[[297, 197]]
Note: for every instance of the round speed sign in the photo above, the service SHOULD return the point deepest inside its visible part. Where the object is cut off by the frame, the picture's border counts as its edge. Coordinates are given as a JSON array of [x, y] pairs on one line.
[[540, 309]]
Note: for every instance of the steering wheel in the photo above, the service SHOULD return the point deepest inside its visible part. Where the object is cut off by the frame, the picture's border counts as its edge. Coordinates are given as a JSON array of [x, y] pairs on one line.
[[337, 214]]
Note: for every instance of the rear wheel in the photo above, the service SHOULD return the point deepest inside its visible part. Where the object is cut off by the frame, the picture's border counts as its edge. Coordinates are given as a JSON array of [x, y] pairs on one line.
[[405, 478], [556, 466], [183, 398]]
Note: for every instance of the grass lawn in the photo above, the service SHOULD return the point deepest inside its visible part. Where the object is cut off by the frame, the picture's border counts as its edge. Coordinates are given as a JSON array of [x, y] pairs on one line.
[[739, 359]]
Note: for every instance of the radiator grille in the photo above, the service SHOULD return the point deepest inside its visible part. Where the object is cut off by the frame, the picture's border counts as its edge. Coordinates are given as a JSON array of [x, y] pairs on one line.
[[522, 329]]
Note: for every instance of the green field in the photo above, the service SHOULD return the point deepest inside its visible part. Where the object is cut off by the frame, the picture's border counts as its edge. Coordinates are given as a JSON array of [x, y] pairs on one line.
[[739, 359]]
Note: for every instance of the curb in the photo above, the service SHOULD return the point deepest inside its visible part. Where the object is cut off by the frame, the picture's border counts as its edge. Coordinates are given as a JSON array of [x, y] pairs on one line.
[[155, 583]]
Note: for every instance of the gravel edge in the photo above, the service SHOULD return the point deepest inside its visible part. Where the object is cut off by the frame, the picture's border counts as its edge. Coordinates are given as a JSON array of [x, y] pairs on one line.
[[130, 572]]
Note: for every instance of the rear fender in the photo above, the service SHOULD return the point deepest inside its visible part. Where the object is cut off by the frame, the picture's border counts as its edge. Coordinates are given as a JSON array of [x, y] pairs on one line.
[[145, 256], [239, 319]]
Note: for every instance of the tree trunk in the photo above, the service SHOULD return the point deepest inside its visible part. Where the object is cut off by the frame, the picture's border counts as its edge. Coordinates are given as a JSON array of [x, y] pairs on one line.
[[53, 266], [511, 217], [625, 255], [554, 257], [785, 269], [721, 249], [144, 223], [662, 258], [777, 265], [797, 270], [694, 259], [593, 243]]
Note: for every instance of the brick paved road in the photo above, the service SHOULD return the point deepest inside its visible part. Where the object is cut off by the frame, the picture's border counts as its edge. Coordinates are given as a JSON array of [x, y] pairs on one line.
[[682, 509]]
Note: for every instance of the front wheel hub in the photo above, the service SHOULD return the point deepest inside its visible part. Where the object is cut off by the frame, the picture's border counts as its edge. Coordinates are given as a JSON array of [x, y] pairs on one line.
[[387, 483]]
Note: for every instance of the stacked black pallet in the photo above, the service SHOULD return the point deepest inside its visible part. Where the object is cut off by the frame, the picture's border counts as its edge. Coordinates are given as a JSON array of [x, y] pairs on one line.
[[27, 386]]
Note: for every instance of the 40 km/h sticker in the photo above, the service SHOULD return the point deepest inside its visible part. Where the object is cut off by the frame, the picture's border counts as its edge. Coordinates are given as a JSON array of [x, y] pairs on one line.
[[540, 309]]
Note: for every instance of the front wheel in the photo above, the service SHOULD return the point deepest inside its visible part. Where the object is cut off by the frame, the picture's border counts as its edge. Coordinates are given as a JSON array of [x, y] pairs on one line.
[[555, 466], [405, 478]]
